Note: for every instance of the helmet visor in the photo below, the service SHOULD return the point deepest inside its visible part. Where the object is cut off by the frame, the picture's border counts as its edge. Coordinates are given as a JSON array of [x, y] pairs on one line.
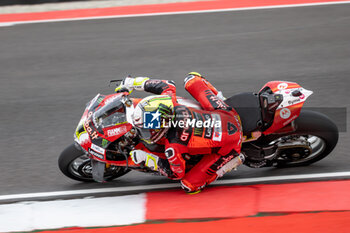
[[145, 134]]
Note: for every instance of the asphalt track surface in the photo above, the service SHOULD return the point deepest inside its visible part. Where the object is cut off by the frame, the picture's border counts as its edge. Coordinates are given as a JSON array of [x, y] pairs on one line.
[[48, 71]]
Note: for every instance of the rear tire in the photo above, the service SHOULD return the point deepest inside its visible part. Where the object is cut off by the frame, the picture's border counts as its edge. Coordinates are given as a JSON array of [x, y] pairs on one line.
[[67, 166], [320, 126]]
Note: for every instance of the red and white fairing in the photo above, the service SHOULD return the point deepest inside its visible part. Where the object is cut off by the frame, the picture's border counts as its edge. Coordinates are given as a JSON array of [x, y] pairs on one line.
[[86, 133], [83, 138], [294, 97]]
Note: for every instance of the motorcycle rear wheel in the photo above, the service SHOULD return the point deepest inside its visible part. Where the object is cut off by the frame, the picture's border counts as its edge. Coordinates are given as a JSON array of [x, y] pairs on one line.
[[322, 135], [74, 164]]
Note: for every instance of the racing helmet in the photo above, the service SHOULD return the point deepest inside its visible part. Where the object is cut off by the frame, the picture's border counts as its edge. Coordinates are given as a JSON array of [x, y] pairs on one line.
[[152, 117]]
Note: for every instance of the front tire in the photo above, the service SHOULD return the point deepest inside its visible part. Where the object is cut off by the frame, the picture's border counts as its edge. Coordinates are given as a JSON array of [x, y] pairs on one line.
[[74, 164]]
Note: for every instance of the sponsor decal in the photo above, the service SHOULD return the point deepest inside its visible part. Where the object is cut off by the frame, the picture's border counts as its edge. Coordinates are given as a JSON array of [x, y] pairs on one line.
[[111, 99], [302, 97], [185, 132], [116, 131], [217, 128], [208, 132], [238, 121], [177, 169], [198, 131], [290, 120], [182, 131], [153, 81], [218, 103], [222, 161], [215, 101], [285, 113], [92, 132], [291, 102], [282, 86], [225, 160], [100, 99], [105, 142], [240, 141], [98, 149], [96, 154]]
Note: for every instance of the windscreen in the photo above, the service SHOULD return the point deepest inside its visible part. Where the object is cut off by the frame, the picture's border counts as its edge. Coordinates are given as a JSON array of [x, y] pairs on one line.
[[111, 114]]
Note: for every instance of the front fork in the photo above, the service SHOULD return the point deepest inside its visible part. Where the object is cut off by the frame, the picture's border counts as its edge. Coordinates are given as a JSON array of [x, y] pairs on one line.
[[98, 171]]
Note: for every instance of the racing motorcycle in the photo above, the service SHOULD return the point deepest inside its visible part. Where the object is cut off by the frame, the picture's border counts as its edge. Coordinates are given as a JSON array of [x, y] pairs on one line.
[[277, 133]]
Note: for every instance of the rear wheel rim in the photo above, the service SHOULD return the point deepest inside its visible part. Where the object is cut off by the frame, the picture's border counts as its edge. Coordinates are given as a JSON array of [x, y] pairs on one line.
[[317, 144]]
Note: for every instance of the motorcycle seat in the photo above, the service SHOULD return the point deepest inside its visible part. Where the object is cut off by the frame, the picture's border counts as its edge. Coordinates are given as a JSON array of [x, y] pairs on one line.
[[247, 105]]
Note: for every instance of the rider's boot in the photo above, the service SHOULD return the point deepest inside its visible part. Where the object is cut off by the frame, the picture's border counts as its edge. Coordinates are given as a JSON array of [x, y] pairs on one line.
[[194, 77], [195, 180]]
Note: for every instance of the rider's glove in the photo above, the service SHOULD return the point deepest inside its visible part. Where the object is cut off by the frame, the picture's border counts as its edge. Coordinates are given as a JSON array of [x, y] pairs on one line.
[[148, 159], [126, 85], [129, 84], [153, 162], [165, 170]]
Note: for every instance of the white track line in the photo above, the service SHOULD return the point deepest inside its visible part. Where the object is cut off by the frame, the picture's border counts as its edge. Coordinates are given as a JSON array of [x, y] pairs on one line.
[[176, 13], [287, 177], [91, 212], [172, 185]]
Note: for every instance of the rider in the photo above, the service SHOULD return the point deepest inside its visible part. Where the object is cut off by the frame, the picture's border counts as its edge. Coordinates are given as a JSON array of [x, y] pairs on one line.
[[214, 132]]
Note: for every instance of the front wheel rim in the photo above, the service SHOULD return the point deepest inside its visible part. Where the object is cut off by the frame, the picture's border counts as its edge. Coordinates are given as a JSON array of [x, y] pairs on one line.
[[81, 167]]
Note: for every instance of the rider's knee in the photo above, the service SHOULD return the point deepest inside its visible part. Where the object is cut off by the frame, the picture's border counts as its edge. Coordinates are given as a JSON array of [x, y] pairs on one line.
[[191, 79]]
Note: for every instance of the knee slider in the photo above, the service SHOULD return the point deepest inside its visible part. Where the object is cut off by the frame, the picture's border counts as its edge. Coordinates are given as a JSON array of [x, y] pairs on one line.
[[187, 187]]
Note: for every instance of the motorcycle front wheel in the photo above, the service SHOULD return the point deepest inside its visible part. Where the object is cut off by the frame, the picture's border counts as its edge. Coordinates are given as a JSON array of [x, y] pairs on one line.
[[76, 165]]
